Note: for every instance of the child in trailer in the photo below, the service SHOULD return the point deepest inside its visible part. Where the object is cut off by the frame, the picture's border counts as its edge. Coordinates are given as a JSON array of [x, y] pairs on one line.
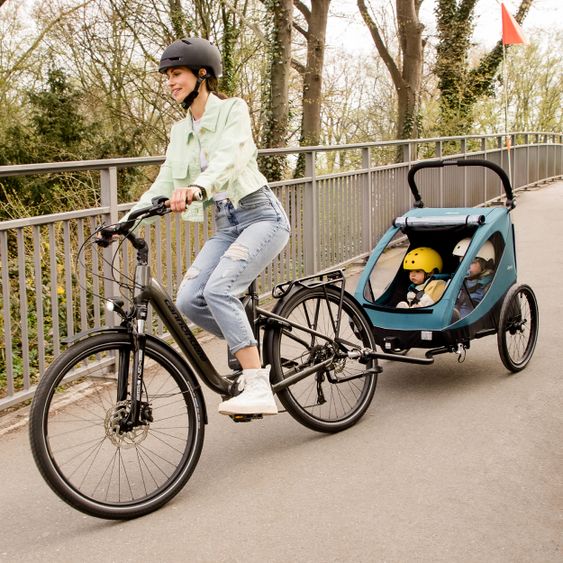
[[422, 264], [478, 278]]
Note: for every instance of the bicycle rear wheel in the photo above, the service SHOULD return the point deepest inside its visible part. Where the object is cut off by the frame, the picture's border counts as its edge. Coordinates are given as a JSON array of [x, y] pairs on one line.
[[337, 395], [83, 451]]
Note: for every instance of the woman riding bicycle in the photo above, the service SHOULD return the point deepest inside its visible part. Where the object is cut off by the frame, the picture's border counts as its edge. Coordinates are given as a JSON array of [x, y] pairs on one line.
[[212, 151]]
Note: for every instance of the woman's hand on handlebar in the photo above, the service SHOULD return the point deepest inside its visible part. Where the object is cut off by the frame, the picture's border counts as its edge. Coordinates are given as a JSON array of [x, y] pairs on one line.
[[160, 205], [181, 197]]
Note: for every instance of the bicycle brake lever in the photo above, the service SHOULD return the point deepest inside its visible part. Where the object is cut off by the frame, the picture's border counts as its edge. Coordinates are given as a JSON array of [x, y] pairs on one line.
[[159, 205], [106, 235]]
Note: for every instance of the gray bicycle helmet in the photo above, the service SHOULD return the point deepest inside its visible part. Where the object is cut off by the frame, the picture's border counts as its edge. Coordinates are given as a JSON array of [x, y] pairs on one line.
[[194, 53]]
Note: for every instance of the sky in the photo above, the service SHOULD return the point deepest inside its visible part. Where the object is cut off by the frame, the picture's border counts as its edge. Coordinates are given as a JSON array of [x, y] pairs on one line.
[[351, 33]]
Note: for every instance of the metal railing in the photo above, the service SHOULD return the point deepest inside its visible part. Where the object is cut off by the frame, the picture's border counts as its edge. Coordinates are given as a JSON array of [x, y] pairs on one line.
[[336, 218]]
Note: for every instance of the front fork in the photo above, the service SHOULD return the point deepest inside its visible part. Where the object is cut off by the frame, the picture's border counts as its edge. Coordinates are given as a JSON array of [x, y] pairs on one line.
[[130, 382], [138, 340]]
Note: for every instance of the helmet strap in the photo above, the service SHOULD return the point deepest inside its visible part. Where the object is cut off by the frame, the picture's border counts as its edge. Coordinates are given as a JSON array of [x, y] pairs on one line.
[[189, 99]]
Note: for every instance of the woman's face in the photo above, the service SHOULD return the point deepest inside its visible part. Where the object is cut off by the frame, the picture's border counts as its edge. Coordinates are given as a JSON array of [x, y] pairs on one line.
[[181, 81]]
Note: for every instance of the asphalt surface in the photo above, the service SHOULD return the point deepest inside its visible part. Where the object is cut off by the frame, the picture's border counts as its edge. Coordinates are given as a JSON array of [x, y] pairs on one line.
[[452, 462]]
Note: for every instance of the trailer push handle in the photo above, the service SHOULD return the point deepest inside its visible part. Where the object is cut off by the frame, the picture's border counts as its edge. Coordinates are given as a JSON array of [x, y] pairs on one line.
[[477, 162]]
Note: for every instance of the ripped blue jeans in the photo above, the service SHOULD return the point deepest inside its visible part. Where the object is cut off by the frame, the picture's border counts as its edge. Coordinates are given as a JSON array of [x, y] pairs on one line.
[[246, 240]]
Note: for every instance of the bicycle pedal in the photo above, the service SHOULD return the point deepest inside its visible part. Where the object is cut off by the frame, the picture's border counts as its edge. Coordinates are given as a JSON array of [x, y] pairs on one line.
[[246, 417]]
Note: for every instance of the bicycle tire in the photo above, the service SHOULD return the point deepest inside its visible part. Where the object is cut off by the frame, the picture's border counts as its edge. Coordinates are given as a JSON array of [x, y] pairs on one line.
[[81, 452], [518, 327], [328, 400]]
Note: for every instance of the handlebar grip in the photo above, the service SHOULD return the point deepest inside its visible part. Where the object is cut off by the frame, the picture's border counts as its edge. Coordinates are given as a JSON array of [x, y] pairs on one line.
[[105, 235]]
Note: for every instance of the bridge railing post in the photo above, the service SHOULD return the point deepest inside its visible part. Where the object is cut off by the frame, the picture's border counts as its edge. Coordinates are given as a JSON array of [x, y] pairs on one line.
[[310, 217], [108, 199], [367, 212]]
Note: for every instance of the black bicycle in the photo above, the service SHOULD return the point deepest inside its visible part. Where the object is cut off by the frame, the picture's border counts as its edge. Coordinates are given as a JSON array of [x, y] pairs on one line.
[[117, 422]]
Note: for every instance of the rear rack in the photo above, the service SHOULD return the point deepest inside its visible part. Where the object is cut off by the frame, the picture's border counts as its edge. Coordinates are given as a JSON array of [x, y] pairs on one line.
[[316, 280]]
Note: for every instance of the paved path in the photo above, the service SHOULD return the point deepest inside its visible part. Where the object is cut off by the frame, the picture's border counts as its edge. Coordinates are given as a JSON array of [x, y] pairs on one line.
[[453, 462]]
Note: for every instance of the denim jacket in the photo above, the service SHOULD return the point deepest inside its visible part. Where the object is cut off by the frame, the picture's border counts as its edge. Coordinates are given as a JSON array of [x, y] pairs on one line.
[[226, 140]]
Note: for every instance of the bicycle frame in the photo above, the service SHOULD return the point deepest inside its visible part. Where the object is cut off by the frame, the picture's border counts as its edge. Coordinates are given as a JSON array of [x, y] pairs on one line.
[[152, 292], [123, 421], [147, 291]]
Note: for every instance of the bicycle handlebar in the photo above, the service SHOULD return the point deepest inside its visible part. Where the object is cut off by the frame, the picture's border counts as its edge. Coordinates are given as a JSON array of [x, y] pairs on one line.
[[160, 205]]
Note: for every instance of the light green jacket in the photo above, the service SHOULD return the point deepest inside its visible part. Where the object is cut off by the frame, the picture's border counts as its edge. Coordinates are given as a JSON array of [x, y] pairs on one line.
[[226, 140]]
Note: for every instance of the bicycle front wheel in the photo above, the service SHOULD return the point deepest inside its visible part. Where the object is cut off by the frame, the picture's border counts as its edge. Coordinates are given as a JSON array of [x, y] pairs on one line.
[[79, 440], [337, 395]]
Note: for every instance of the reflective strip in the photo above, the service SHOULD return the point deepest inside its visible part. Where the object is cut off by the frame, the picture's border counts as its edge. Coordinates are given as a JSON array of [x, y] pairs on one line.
[[441, 221]]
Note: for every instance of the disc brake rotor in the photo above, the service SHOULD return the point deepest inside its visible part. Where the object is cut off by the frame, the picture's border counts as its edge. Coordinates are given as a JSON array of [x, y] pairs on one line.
[[120, 438]]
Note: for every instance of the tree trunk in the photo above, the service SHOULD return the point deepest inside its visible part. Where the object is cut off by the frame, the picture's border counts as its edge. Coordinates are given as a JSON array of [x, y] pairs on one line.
[[410, 34], [407, 73], [178, 19], [276, 110], [229, 39], [312, 73], [313, 77]]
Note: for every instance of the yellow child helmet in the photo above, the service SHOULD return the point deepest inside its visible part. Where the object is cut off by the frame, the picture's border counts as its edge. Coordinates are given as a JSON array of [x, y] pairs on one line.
[[423, 258]]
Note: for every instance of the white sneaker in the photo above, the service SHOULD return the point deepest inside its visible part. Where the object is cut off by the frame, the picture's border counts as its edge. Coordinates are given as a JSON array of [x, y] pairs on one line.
[[256, 397]]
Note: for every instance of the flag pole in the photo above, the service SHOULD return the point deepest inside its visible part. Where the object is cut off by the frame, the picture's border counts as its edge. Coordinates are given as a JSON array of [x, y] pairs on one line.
[[508, 140], [511, 35]]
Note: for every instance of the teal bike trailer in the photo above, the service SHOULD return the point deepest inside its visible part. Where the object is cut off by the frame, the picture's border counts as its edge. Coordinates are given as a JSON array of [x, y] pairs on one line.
[[469, 307]]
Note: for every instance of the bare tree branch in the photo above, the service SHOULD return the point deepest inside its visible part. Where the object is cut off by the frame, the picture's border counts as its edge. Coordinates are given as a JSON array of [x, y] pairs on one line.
[[302, 31], [304, 10], [246, 21], [379, 43], [299, 67], [18, 65]]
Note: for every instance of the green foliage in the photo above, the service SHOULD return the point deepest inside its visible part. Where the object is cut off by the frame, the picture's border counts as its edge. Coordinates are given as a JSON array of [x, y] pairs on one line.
[[462, 85], [455, 25], [56, 119], [533, 90], [55, 131]]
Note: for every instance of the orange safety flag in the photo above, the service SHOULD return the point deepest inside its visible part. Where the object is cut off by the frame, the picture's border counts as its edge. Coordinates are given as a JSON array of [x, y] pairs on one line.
[[511, 32]]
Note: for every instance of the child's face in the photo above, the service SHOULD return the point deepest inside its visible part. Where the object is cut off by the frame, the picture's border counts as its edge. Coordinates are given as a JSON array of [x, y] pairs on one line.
[[475, 268], [417, 276]]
